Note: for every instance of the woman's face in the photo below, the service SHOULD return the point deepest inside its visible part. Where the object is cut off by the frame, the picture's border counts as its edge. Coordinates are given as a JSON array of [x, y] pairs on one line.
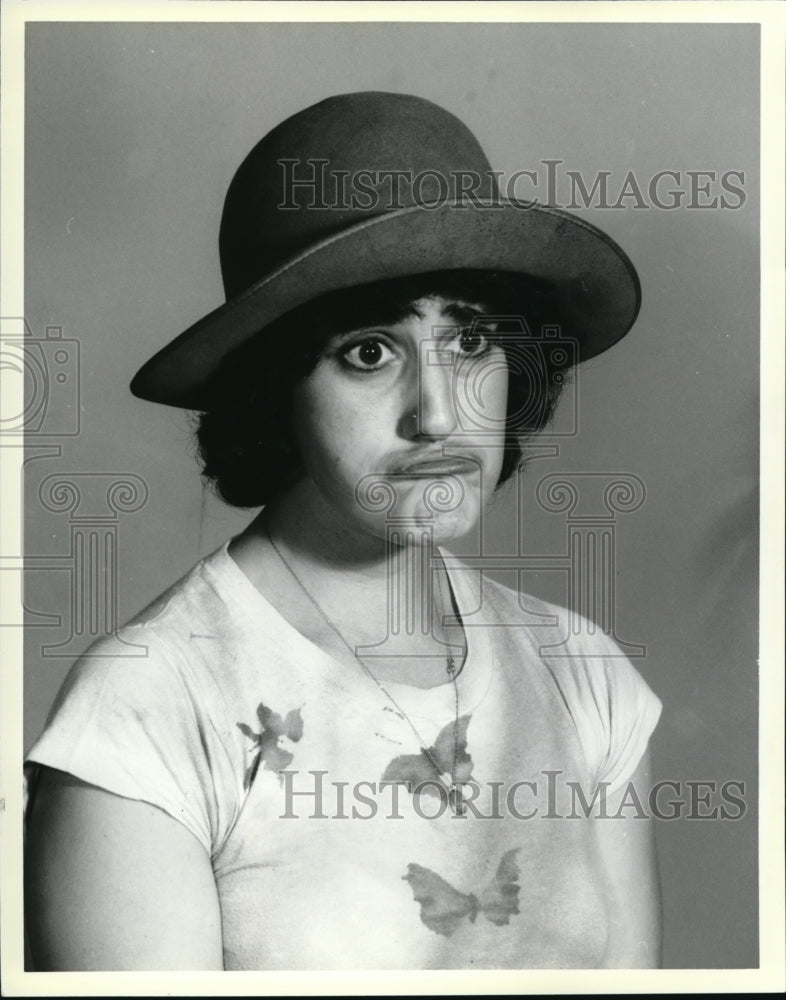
[[405, 422]]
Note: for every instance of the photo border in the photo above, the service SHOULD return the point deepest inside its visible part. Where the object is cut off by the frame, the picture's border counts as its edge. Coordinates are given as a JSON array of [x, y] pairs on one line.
[[771, 16]]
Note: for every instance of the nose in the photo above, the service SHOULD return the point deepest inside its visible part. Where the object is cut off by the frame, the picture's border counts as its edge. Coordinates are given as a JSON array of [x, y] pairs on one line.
[[433, 413]]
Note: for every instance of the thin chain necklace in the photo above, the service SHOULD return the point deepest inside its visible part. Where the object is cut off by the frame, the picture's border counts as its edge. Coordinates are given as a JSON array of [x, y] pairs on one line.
[[451, 669], [448, 779]]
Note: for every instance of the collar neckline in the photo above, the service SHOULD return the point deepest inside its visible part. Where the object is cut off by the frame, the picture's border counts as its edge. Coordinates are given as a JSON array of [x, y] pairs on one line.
[[472, 681]]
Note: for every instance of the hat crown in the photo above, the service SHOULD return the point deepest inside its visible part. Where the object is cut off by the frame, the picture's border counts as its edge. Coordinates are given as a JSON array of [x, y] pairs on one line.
[[373, 186], [338, 163]]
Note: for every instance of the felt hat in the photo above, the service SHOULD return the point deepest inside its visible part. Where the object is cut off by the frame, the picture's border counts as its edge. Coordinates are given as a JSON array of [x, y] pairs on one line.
[[367, 186]]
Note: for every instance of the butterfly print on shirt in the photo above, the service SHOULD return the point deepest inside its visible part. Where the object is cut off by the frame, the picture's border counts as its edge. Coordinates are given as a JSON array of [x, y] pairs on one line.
[[266, 743], [416, 769], [443, 908]]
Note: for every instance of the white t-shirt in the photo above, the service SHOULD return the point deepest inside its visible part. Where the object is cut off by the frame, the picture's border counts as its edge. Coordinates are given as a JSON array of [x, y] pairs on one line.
[[288, 768]]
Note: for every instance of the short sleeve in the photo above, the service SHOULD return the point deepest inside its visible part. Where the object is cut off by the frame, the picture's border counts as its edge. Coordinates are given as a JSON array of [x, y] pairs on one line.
[[132, 726], [612, 707]]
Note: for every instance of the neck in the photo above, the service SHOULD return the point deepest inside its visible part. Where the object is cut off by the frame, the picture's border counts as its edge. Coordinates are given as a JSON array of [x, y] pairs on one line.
[[364, 588], [332, 558], [318, 538]]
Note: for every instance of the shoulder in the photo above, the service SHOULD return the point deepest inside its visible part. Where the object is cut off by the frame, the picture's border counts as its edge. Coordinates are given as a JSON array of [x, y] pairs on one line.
[[202, 596], [570, 657], [560, 634], [183, 635], [142, 716], [611, 705], [152, 675], [144, 656], [554, 630]]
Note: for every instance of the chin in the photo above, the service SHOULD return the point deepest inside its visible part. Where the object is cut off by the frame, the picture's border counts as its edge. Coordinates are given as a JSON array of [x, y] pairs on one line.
[[450, 531], [445, 526], [436, 510]]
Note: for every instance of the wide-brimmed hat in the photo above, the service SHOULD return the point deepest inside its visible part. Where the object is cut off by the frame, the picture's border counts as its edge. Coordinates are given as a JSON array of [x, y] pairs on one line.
[[369, 186]]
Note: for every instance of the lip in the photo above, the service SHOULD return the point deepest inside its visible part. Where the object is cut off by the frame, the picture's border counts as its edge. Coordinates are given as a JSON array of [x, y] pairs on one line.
[[446, 465]]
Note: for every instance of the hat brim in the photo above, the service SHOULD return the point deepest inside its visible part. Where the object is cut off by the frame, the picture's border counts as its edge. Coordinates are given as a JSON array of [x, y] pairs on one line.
[[596, 282]]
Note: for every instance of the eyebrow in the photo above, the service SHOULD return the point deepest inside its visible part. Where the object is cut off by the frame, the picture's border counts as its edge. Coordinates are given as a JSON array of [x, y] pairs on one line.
[[389, 313], [463, 312]]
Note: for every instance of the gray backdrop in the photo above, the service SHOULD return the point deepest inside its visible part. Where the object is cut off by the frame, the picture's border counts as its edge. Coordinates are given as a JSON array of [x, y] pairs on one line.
[[132, 135]]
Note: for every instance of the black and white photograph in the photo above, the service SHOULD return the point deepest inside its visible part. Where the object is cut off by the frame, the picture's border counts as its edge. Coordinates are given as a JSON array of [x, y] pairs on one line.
[[393, 536]]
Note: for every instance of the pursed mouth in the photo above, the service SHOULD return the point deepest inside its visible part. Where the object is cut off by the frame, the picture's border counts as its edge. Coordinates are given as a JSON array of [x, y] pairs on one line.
[[445, 466]]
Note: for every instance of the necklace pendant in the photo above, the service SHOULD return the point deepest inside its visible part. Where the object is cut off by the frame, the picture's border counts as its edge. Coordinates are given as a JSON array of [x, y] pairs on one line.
[[456, 800], [451, 666]]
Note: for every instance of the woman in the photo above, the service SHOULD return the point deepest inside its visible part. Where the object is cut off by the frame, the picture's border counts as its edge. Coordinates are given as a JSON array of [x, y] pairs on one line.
[[344, 750]]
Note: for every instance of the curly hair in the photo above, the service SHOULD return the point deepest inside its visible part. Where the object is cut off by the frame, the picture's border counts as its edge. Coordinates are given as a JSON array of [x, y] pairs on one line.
[[243, 435]]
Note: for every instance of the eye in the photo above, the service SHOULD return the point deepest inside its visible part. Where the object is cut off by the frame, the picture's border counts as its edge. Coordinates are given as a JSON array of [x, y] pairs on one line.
[[473, 342], [368, 355]]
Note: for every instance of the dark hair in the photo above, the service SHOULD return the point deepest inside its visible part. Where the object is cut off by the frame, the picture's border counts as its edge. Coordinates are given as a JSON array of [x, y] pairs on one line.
[[243, 434]]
